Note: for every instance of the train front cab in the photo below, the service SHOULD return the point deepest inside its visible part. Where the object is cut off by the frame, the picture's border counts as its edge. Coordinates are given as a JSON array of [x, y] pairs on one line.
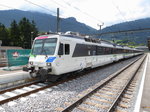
[[42, 56]]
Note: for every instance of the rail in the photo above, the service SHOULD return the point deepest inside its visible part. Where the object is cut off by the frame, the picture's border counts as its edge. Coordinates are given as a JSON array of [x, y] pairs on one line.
[[99, 86]]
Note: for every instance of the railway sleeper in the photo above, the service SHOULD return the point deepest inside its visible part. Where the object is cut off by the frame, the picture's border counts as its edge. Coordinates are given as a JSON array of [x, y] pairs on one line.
[[101, 100], [96, 105], [86, 109]]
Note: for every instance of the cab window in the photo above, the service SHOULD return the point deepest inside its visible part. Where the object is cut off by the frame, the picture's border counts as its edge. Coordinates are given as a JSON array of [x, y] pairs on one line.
[[60, 51], [67, 49]]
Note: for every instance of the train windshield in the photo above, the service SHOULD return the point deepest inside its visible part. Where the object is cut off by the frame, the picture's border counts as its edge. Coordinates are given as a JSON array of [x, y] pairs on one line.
[[44, 46]]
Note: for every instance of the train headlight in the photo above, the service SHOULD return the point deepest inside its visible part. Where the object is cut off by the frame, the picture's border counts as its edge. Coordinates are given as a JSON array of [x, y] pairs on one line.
[[31, 62], [48, 64]]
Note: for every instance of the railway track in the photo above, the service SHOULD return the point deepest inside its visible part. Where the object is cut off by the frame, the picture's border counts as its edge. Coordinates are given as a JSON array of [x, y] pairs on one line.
[[33, 87], [109, 95], [20, 91], [26, 89]]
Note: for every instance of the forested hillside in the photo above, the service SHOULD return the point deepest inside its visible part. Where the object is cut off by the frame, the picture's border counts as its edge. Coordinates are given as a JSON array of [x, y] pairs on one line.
[[139, 37], [45, 22]]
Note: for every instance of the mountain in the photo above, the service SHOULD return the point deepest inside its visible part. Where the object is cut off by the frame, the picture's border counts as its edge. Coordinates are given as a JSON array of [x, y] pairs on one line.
[[137, 37], [45, 22]]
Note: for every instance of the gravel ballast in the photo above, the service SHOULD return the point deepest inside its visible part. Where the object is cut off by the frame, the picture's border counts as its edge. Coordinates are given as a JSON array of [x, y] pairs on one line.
[[49, 99]]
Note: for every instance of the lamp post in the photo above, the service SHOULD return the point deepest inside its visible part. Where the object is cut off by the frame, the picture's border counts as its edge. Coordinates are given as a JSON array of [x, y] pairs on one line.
[[100, 26]]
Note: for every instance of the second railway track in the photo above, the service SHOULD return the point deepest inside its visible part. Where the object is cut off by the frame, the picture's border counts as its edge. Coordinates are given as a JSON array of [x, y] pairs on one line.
[[108, 93]]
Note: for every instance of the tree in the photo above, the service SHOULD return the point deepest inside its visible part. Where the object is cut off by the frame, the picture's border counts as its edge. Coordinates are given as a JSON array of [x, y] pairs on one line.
[[27, 31], [25, 35], [34, 29], [4, 35], [19, 34], [15, 34]]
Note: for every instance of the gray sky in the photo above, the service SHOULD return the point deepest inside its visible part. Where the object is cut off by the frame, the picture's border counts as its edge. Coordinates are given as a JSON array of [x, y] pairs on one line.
[[90, 12]]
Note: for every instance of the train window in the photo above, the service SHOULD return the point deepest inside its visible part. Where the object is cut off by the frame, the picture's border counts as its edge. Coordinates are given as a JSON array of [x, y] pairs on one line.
[[104, 50], [94, 53], [44, 46], [60, 51], [107, 50], [49, 46], [67, 49], [112, 50], [99, 50], [37, 47]]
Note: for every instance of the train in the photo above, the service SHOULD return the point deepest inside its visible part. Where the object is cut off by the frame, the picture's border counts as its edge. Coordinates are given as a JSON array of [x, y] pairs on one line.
[[56, 55], [148, 43]]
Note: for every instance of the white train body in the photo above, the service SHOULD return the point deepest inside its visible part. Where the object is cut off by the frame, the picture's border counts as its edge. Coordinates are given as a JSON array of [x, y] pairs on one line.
[[60, 54]]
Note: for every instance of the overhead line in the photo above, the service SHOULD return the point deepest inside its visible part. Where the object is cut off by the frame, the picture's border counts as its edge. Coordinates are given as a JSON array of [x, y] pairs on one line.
[[63, 7], [7, 6], [60, 5], [76, 8], [40, 6], [123, 15], [125, 31]]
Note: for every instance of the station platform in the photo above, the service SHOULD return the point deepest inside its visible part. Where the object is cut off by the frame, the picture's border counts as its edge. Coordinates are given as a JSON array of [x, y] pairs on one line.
[[3, 72], [12, 74], [8, 70], [145, 100]]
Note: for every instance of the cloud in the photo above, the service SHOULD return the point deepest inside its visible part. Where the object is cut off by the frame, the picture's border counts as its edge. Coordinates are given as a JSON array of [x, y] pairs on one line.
[[90, 12], [11, 4]]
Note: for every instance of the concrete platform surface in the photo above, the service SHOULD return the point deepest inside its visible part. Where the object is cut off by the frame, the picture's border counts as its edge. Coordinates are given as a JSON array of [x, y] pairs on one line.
[[3, 72], [13, 69], [7, 76], [145, 101]]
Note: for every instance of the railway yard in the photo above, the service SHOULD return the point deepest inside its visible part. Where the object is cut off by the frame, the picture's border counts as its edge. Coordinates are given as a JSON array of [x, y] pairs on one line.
[[121, 86]]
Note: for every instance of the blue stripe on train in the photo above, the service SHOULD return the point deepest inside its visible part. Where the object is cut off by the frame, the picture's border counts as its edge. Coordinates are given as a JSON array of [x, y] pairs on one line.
[[50, 59]]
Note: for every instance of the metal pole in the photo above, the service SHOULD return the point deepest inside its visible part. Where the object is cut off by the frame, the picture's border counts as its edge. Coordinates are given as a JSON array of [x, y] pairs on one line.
[[58, 20], [100, 26]]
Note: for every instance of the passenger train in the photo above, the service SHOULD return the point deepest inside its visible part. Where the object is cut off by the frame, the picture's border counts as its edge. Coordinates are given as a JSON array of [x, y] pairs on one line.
[[54, 55]]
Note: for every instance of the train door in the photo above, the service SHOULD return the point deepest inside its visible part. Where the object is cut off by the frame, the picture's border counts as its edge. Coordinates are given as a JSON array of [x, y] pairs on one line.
[[89, 57], [67, 57], [64, 57]]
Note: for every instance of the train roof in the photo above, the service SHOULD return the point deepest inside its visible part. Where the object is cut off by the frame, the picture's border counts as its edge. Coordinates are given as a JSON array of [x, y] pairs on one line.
[[86, 39]]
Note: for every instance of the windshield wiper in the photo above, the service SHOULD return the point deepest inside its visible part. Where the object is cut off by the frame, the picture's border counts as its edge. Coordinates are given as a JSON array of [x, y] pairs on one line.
[[43, 50]]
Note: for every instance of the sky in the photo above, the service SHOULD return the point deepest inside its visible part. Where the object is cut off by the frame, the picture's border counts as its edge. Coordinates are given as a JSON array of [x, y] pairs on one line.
[[94, 13]]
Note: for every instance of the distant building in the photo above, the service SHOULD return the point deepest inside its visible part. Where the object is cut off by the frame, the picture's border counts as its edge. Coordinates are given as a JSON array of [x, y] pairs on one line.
[[3, 57], [3, 50]]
